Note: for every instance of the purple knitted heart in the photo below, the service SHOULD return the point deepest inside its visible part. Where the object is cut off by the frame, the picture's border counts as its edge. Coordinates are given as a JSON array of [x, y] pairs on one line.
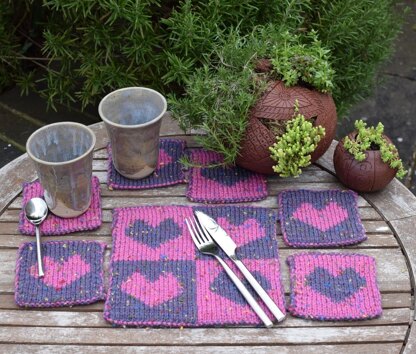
[[223, 286], [226, 176], [154, 236], [338, 288]]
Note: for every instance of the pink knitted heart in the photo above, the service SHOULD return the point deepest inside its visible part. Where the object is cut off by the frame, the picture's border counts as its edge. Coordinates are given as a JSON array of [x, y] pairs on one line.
[[165, 288], [61, 274], [164, 158], [322, 219]]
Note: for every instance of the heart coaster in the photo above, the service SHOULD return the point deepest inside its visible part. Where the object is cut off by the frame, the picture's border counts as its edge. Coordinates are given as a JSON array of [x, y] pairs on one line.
[[159, 278], [73, 274], [320, 218], [55, 225], [168, 172], [222, 184], [333, 286]]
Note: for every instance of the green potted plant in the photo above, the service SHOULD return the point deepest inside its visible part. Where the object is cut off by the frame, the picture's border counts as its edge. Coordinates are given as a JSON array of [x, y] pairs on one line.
[[366, 160], [293, 149], [246, 99]]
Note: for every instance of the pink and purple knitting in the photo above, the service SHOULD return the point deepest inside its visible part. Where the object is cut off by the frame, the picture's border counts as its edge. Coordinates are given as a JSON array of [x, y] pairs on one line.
[[73, 274], [320, 218], [168, 172], [222, 184], [54, 225], [333, 286], [159, 278]]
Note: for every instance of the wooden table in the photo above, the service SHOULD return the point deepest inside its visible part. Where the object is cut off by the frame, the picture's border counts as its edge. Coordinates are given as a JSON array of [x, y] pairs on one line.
[[390, 221]]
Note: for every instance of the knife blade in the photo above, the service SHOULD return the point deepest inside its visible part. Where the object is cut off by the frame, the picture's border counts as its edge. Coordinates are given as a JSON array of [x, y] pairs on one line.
[[227, 244]]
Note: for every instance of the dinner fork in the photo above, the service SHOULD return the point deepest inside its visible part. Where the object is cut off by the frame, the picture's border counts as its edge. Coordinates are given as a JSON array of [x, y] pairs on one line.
[[206, 245]]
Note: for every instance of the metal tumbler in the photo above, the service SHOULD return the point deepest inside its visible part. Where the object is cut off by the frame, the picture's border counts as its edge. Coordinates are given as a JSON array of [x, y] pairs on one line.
[[62, 154], [132, 117]]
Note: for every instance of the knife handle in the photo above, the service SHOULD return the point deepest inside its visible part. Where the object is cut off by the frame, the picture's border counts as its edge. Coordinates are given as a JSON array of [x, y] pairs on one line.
[[271, 305], [243, 290]]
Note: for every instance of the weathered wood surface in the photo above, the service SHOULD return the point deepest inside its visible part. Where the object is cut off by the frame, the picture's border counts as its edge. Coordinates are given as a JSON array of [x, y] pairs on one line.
[[389, 218], [388, 348]]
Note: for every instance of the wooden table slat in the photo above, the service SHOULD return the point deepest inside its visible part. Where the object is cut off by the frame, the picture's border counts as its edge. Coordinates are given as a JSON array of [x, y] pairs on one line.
[[384, 348], [200, 336]]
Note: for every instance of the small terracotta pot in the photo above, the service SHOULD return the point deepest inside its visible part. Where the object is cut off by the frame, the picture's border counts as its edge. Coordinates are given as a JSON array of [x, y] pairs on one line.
[[277, 103], [370, 175]]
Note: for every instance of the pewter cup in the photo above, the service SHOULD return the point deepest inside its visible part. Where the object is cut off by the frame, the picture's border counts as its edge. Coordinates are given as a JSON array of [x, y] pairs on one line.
[[62, 154], [132, 117]]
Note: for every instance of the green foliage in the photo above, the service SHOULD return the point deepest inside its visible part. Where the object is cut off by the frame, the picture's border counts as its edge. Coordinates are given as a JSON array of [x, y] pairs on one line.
[[307, 62], [371, 138], [81, 49], [292, 151], [218, 97], [218, 104]]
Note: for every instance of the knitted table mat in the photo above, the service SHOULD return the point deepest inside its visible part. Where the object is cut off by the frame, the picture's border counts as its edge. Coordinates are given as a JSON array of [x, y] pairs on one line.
[[333, 286], [320, 218], [73, 274], [55, 225], [222, 184], [168, 172], [159, 278]]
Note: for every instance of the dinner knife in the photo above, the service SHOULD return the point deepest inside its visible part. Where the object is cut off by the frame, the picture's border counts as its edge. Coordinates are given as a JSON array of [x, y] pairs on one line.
[[227, 244]]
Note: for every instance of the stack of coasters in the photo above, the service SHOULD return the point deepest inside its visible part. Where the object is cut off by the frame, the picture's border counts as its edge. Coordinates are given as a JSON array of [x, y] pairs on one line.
[[168, 172], [333, 286], [54, 225], [222, 184], [159, 278], [73, 274], [320, 218]]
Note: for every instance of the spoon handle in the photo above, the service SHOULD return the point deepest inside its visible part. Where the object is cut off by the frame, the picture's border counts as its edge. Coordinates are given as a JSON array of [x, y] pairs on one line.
[[39, 253]]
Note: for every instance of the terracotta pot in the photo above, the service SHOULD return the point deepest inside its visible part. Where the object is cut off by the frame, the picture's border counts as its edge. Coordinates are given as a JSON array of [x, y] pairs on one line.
[[369, 175], [277, 103]]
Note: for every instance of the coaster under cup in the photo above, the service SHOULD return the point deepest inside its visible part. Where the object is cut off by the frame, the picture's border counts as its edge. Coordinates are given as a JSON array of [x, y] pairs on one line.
[[73, 274], [168, 172], [327, 218], [55, 225]]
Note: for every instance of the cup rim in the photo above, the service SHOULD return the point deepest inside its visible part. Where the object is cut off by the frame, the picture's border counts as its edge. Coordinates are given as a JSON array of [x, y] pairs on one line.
[[50, 163], [154, 120]]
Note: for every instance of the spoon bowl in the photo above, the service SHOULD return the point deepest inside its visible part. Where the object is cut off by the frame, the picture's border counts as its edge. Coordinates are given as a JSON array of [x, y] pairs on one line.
[[36, 211]]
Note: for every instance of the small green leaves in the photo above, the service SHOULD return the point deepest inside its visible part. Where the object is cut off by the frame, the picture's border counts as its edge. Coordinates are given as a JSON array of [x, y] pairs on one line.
[[372, 138], [292, 151], [302, 58]]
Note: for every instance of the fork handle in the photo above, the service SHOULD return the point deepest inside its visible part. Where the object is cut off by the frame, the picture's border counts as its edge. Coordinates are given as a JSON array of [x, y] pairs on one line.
[[271, 305], [243, 290]]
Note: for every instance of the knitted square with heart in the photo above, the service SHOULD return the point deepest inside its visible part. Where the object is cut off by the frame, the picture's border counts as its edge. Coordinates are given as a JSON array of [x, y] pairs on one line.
[[222, 184], [320, 218], [159, 278], [333, 286], [55, 225], [73, 274], [168, 172]]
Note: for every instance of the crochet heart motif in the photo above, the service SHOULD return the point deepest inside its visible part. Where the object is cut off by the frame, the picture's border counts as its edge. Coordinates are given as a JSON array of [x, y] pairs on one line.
[[154, 236], [61, 274], [223, 286], [226, 176], [152, 293], [337, 288], [322, 219]]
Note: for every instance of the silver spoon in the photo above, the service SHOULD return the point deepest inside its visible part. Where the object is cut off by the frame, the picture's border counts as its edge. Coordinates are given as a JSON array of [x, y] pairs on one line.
[[36, 211]]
